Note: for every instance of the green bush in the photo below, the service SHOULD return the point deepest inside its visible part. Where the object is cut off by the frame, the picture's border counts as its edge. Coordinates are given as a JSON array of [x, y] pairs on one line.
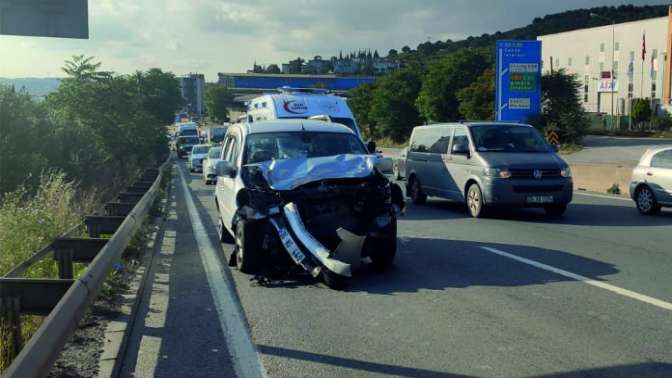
[[29, 222]]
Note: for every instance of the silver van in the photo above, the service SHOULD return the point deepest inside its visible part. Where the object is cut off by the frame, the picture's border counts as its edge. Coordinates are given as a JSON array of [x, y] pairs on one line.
[[487, 164], [651, 184]]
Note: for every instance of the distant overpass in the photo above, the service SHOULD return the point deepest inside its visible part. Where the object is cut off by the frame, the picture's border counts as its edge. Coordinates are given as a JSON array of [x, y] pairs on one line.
[[247, 85]]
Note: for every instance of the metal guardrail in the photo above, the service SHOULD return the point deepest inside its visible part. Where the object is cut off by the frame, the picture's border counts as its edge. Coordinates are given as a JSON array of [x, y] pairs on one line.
[[65, 300]]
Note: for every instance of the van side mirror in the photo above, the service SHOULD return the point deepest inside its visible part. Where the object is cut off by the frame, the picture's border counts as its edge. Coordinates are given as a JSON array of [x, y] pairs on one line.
[[371, 146], [555, 148], [460, 149], [225, 169]]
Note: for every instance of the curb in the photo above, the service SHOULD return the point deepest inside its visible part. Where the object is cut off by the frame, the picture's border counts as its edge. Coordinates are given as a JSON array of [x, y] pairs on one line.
[[118, 330]]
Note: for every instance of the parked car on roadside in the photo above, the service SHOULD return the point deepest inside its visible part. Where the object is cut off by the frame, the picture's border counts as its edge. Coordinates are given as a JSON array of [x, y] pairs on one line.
[[487, 164], [307, 193], [651, 183], [210, 164], [184, 144], [198, 153]]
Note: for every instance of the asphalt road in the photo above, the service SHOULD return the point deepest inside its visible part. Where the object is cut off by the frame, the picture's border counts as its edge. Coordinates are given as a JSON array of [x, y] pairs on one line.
[[513, 295]]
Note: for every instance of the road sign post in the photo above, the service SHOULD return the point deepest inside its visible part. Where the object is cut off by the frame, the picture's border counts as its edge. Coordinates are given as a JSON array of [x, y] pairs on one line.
[[518, 87]]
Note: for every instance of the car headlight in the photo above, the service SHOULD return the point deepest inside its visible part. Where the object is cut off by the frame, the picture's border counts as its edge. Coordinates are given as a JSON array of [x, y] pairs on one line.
[[497, 172], [566, 172]]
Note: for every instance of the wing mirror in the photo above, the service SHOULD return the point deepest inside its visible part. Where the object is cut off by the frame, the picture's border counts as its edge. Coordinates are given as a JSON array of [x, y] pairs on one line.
[[555, 148], [461, 149], [225, 169], [371, 146]]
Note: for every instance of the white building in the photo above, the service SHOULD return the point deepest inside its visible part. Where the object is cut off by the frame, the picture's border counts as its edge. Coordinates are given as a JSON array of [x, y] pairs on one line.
[[588, 53]]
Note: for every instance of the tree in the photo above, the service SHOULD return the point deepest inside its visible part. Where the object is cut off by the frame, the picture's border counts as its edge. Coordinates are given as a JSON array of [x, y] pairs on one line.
[[160, 92], [561, 107], [444, 78], [273, 69], [406, 49], [641, 111], [360, 104], [477, 101], [218, 99], [83, 68], [392, 53], [392, 106]]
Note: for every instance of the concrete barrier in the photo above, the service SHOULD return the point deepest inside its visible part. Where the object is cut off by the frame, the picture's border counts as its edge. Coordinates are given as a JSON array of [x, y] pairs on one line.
[[600, 177]]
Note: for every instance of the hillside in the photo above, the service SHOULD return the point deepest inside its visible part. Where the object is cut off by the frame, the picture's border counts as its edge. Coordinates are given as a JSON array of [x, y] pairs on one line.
[[554, 23], [36, 87]]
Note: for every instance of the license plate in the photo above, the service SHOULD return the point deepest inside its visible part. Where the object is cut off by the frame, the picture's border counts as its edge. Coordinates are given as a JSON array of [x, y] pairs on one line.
[[289, 244], [540, 199]]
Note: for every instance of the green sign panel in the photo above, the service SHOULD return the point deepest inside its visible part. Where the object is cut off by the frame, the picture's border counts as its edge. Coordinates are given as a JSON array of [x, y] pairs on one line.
[[522, 82]]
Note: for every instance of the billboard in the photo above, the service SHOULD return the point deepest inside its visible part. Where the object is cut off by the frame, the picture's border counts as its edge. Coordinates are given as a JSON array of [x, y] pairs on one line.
[[518, 86], [52, 18]]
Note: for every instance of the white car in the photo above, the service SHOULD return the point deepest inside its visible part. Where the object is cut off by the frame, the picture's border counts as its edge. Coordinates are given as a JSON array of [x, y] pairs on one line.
[[195, 159], [651, 184], [304, 192], [210, 164]]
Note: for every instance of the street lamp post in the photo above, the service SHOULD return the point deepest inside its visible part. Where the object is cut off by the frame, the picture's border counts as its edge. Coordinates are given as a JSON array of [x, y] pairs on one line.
[[613, 60]]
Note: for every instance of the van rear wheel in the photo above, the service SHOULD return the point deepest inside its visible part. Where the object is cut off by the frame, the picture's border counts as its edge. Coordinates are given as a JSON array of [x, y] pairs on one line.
[[417, 196]]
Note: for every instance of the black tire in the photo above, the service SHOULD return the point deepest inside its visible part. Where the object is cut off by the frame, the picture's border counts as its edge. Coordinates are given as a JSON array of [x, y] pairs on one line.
[[224, 235], [555, 211], [474, 201], [646, 201], [415, 192], [333, 280], [382, 251], [248, 248]]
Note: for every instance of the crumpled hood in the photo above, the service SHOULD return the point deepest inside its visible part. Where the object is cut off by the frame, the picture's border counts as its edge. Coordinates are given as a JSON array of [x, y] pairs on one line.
[[292, 173]]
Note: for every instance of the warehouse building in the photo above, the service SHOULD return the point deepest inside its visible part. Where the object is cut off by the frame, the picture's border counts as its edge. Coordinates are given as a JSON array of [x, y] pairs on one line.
[[615, 63]]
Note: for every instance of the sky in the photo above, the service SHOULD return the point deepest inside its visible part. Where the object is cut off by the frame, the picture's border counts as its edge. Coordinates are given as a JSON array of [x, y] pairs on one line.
[[210, 36]]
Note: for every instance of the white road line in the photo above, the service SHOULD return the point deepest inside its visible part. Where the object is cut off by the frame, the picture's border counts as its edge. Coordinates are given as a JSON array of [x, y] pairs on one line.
[[614, 289], [603, 196], [244, 355]]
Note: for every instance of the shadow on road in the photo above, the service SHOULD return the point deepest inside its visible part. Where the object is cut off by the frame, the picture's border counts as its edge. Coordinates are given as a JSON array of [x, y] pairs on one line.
[[358, 365], [649, 369], [437, 264], [579, 214]]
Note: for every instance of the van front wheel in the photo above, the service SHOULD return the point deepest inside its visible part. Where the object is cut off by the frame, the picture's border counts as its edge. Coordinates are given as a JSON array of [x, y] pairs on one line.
[[475, 203]]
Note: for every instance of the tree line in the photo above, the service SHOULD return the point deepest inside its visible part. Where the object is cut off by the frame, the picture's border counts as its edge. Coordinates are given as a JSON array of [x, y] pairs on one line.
[[458, 86], [98, 128]]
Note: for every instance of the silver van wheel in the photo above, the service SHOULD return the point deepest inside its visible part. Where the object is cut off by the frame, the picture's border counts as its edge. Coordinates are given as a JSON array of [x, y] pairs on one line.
[[475, 201]]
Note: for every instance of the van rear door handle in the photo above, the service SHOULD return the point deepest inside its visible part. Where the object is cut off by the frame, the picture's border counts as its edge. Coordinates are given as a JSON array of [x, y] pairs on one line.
[[649, 174]]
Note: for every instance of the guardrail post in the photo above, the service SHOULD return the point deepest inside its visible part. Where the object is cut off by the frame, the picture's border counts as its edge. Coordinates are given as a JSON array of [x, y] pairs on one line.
[[10, 325], [64, 258]]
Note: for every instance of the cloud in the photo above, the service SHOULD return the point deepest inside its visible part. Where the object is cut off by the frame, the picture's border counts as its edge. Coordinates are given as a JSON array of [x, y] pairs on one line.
[[213, 36]]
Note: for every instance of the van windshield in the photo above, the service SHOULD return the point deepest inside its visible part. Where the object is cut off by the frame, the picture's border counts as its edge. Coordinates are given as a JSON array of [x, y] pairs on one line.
[[188, 140], [507, 138], [300, 145]]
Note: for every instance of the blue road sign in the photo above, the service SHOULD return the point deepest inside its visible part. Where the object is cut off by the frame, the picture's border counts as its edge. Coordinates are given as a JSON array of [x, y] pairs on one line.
[[518, 87]]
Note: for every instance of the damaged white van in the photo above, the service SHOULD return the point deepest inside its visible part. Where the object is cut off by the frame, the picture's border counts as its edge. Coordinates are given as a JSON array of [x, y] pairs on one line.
[[306, 193]]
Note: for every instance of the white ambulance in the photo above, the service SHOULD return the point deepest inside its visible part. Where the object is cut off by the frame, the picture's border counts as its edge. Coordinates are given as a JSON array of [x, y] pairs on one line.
[[306, 103]]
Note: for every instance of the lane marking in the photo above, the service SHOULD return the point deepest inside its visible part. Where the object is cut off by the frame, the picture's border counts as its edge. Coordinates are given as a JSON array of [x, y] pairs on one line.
[[243, 352], [603, 196], [602, 285]]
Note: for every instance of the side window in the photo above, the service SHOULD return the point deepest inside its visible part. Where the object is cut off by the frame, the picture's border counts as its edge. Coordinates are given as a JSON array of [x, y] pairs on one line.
[[662, 159], [460, 136], [441, 139]]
